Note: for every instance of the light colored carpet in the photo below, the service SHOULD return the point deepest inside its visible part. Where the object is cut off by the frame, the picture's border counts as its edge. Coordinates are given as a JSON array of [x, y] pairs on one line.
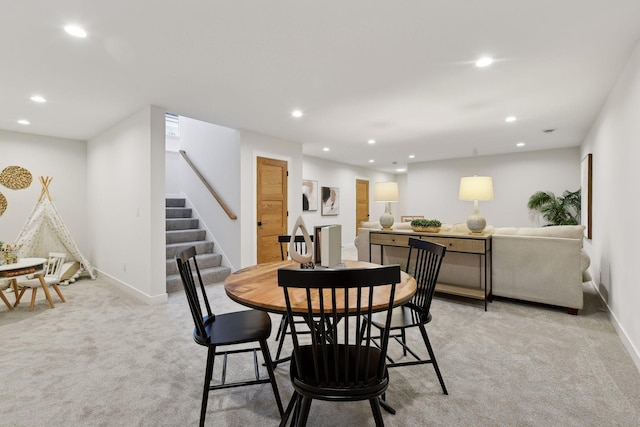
[[104, 360]]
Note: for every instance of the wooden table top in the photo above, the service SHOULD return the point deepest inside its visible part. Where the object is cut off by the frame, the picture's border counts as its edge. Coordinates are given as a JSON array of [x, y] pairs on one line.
[[257, 287]]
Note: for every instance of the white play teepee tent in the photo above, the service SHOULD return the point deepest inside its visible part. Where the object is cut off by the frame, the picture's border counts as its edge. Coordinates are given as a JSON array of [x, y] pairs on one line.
[[45, 232]]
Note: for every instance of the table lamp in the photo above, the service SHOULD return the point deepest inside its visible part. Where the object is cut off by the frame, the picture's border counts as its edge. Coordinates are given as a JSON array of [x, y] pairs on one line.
[[386, 192], [476, 188]]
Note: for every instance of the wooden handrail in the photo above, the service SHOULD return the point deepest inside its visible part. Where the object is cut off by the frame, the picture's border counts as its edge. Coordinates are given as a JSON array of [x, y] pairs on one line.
[[209, 187]]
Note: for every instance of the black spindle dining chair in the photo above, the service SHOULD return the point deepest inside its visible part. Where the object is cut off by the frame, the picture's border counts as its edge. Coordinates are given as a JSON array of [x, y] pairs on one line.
[[342, 363], [423, 262], [213, 331]]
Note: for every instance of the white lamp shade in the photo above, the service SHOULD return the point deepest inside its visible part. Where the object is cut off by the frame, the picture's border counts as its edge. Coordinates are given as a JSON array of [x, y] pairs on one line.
[[476, 188], [386, 192]]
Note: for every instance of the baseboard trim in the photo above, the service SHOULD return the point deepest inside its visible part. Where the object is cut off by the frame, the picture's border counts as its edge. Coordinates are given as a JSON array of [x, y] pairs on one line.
[[626, 342], [133, 292]]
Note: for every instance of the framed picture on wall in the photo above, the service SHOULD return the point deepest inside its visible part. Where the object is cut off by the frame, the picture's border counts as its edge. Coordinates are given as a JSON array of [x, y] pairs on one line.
[[586, 194], [309, 195], [410, 218], [330, 201]]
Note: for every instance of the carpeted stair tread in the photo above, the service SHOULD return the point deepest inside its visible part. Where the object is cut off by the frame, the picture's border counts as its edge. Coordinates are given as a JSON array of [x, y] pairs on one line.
[[178, 212], [175, 203], [209, 276], [182, 223], [202, 247], [180, 236], [204, 261]]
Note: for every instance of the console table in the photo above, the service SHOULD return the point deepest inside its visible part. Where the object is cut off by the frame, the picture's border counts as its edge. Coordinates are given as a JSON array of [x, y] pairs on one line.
[[479, 245]]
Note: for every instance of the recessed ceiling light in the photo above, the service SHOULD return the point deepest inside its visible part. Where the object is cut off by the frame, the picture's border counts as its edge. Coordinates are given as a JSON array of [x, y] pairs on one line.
[[371, 141], [400, 170], [411, 156], [76, 31], [24, 122], [296, 113], [38, 98], [371, 160], [511, 119], [325, 149], [520, 144], [485, 61]]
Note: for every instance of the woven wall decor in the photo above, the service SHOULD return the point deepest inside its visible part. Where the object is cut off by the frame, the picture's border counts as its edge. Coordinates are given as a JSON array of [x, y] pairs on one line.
[[3, 204], [15, 177]]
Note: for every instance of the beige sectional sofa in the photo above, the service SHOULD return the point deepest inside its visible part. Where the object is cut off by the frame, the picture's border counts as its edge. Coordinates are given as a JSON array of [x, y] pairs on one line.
[[545, 265], [539, 264]]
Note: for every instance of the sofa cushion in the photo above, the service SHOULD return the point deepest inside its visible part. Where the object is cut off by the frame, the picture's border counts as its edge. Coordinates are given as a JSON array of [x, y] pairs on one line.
[[401, 226], [371, 224], [70, 272], [566, 231], [461, 227]]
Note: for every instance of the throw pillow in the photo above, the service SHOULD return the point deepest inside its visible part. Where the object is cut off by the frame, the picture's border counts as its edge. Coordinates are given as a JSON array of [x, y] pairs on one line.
[[69, 269]]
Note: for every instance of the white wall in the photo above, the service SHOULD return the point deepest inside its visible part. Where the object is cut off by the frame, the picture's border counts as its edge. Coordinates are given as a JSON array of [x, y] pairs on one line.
[[62, 159], [125, 204], [255, 145], [215, 151], [343, 176], [614, 143], [432, 187]]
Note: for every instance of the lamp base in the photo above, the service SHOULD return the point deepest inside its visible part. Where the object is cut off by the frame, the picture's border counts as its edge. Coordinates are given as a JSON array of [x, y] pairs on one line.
[[476, 223], [386, 221]]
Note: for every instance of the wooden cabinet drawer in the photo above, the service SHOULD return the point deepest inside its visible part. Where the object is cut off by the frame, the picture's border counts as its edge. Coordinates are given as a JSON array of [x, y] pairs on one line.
[[459, 245], [389, 239]]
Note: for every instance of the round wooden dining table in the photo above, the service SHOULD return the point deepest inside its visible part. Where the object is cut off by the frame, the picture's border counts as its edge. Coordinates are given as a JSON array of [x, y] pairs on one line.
[[257, 287]]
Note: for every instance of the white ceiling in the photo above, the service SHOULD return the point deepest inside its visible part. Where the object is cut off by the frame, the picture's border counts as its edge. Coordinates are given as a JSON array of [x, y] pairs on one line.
[[400, 72]]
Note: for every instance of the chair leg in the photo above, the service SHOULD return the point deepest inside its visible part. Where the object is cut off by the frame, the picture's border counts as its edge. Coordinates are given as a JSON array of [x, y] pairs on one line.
[[33, 298], [14, 284], [303, 415], [272, 377], [404, 342], [377, 414], [284, 325], [207, 383], [57, 289], [296, 409], [19, 296], [290, 407], [383, 403], [6, 301], [282, 328], [425, 337], [46, 290]]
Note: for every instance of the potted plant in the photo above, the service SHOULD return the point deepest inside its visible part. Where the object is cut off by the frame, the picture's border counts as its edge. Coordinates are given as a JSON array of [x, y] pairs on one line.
[[561, 210], [426, 225]]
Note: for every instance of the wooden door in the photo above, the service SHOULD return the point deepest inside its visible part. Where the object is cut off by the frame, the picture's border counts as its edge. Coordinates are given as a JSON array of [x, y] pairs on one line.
[[272, 207], [362, 202]]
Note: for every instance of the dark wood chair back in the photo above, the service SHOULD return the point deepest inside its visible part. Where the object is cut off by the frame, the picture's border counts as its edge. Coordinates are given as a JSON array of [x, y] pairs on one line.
[[342, 355], [227, 329], [423, 263], [187, 266]]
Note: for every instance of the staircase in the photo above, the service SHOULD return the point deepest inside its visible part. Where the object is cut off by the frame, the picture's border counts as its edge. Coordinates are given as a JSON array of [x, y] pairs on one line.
[[182, 232]]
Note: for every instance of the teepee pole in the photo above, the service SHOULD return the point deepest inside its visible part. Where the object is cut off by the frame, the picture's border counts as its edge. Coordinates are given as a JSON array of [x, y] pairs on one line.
[[45, 181]]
